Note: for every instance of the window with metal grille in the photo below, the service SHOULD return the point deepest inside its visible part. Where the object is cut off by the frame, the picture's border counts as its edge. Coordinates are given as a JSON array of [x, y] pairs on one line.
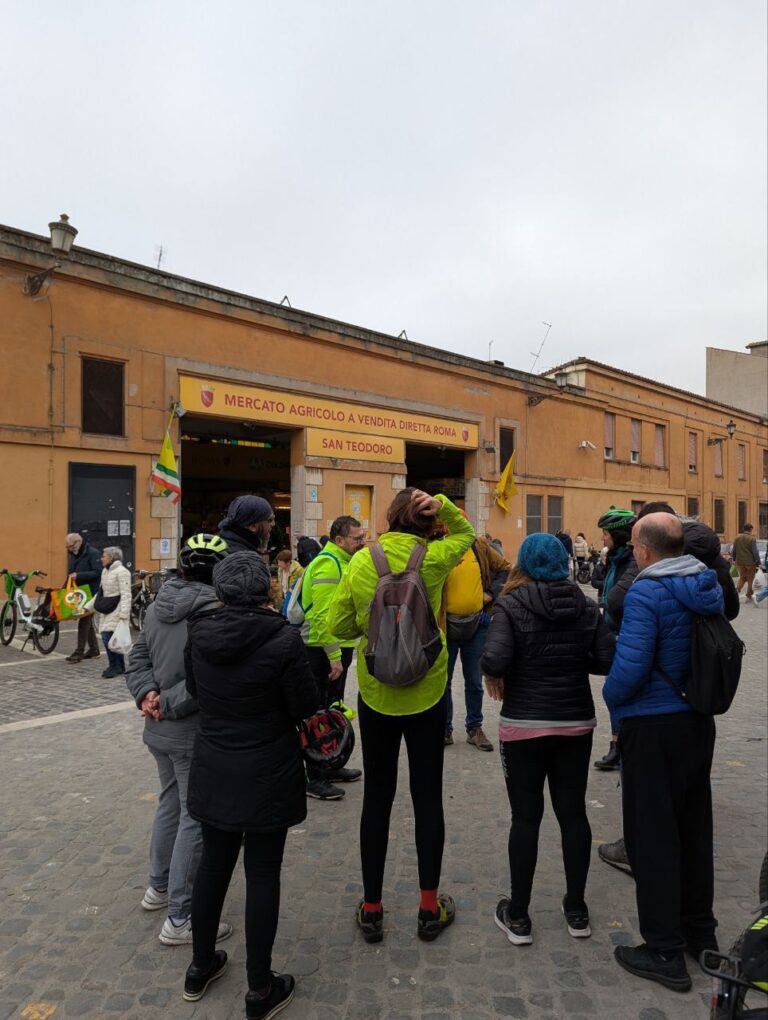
[[658, 445], [692, 506], [719, 516], [742, 459], [506, 446], [532, 514], [693, 453], [554, 514], [762, 520], [103, 397], [742, 514], [636, 439], [609, 436], [718, 448]]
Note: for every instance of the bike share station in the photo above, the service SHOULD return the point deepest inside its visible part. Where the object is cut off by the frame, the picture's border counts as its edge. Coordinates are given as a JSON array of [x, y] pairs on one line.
[[311, 458]]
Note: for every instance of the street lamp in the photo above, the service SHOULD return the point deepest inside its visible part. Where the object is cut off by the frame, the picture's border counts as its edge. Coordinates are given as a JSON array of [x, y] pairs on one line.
[[62, 236], [730, 428]]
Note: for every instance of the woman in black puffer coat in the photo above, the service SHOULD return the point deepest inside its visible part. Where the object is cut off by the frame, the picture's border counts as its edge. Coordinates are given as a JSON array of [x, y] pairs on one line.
[[249, 672], [544, 641]]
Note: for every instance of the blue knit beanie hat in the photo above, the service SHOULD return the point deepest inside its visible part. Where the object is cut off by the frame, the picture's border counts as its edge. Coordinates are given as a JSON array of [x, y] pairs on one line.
[[543, 558]]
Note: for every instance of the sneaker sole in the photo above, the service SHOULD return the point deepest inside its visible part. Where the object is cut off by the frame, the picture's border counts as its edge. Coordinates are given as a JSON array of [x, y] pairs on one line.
[[615, 864], [480, 747], [577, 933], [318, 796], [196, 996], [181, 940], [516, 940], [372, 936], [145, 905], [274, 1011], [674, 984]]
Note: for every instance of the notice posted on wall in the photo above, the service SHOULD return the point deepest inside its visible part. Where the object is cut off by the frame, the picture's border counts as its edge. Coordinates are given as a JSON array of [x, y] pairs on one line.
[[113, 529], [125, 527]]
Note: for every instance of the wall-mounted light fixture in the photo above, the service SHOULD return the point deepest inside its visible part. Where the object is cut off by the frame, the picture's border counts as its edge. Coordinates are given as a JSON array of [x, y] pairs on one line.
[[489, 447], [62, 236], [561, 379], [730, 428]]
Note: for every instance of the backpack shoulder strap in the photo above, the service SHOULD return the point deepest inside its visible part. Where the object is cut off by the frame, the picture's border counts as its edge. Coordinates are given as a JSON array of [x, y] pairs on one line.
[[380, 560], [416, 558]]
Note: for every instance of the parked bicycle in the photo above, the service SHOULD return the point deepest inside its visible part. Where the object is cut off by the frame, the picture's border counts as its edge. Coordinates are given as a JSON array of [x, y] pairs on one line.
[[38, 621], [144, 591], [742, 971]]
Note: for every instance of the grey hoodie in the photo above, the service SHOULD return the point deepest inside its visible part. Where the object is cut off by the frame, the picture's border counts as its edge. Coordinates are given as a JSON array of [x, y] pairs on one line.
[[674, 566], [157, 663]]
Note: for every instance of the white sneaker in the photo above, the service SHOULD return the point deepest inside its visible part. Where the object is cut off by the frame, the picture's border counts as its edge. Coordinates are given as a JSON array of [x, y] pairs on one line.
[[154, 899], [181, 934]]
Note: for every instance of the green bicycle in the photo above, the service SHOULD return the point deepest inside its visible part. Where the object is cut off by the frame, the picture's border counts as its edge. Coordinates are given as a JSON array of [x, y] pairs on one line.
[[37, 620]]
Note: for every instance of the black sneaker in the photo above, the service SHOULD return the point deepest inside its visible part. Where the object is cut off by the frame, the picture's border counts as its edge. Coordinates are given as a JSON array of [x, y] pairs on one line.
[[262, 1007], [609, 762], [371, 924], [321, 790], [615, 854], [517, 929], [196, 980], [578, 922], [430, 925], [667, 969], [344, 776], [93, 654], [108, 674], [75, 657]]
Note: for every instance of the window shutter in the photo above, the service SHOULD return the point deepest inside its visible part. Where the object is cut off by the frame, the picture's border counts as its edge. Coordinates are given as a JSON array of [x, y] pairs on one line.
[[658, 446], [692, 452], [609, 430], [742, 462], [637, 431], [719, 460]]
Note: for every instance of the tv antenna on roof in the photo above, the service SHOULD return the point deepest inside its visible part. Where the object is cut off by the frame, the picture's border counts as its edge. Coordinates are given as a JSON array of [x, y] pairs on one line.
[[537, 354], [159, 254]]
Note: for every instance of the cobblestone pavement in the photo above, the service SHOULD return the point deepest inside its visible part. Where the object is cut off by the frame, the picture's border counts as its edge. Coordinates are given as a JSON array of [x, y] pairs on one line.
[[78, 801]]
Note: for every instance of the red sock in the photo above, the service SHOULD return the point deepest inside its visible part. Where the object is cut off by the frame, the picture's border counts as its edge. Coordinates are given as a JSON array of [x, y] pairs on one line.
[[428, 900], [372, 908]]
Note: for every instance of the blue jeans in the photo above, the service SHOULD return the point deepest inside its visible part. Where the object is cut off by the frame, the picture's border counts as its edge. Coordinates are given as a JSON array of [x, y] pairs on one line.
[[177, 839], [114, 659], [470, 652]]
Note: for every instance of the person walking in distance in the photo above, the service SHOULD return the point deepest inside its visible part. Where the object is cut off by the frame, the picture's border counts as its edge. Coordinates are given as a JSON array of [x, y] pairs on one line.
[[156, 679], [113, 604], [329, 657], [666, 750], [581, 548], [415, 711], [545, 639], [747, 560], [248, 670], [469, 595], [84, 567]]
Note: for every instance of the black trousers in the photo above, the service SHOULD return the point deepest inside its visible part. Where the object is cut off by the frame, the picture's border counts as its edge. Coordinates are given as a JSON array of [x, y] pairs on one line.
[[262, 859], [667, 807], [86, 634], [424, 740], [563, 762], [330, 691]]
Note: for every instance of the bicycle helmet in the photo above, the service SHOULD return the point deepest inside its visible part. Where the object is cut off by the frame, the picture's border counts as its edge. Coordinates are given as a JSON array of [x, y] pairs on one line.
[[200, 555], [614, 519], [327, 740]]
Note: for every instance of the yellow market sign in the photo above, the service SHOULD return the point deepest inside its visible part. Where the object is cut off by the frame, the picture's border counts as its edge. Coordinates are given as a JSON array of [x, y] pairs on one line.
[[350, 446], [255, 403]]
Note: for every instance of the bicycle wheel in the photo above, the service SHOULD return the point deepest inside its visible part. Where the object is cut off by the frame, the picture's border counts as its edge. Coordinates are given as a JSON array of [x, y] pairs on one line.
[[45, 640], [140, 616], [8, 620]]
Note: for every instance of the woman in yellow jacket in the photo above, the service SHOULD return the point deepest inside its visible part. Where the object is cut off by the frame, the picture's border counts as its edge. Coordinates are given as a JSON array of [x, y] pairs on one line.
[[417, 712]]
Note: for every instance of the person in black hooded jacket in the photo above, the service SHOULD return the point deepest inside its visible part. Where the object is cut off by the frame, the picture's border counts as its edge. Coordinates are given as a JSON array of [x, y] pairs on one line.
[[544, 640], [248, 524], [249, 672]]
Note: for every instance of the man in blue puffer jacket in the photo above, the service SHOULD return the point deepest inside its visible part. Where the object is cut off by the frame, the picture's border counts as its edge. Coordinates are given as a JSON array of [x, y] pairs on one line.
[[666, 751]]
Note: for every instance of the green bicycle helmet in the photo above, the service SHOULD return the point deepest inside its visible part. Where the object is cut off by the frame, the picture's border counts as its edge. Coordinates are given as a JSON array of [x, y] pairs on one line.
[[199, 556], [613, 519]]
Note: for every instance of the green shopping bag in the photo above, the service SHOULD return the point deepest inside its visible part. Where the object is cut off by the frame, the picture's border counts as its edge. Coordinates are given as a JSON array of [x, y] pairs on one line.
[[68, 602]]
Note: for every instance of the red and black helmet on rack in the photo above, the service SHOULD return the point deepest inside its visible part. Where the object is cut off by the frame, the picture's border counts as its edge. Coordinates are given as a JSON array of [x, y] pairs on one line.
[[327, 739]]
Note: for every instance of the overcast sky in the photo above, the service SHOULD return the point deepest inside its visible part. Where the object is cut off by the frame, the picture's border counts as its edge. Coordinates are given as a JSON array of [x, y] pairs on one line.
[[463, 171]]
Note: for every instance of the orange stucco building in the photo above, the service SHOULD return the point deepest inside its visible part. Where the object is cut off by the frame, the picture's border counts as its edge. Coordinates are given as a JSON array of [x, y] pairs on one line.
[[320, 416]]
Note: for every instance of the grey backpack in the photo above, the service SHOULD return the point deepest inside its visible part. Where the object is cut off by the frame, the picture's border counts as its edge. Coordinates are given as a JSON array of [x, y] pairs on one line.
[[404, 640]]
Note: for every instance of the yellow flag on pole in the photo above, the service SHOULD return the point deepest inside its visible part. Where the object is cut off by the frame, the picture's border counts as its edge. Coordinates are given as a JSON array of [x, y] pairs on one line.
[[165, 475], [506, 488]]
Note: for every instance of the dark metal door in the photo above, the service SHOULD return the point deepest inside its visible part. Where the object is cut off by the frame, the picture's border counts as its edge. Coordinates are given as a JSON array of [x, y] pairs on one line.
[[102, 506]]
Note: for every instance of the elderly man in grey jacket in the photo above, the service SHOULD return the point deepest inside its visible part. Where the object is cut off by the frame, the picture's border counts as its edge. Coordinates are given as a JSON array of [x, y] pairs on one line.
[[157, 681]]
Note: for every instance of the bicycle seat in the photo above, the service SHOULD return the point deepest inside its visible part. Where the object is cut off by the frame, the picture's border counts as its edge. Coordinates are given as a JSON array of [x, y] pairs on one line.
[[19, 578]]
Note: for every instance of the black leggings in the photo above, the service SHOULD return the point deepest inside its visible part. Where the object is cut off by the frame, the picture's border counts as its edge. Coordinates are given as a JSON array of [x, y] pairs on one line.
[[564, 762], [424, 740], [262, 858]]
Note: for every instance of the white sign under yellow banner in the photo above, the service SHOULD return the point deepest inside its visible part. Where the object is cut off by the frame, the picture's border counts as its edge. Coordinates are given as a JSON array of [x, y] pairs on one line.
[[255, 403], [349, 446]]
